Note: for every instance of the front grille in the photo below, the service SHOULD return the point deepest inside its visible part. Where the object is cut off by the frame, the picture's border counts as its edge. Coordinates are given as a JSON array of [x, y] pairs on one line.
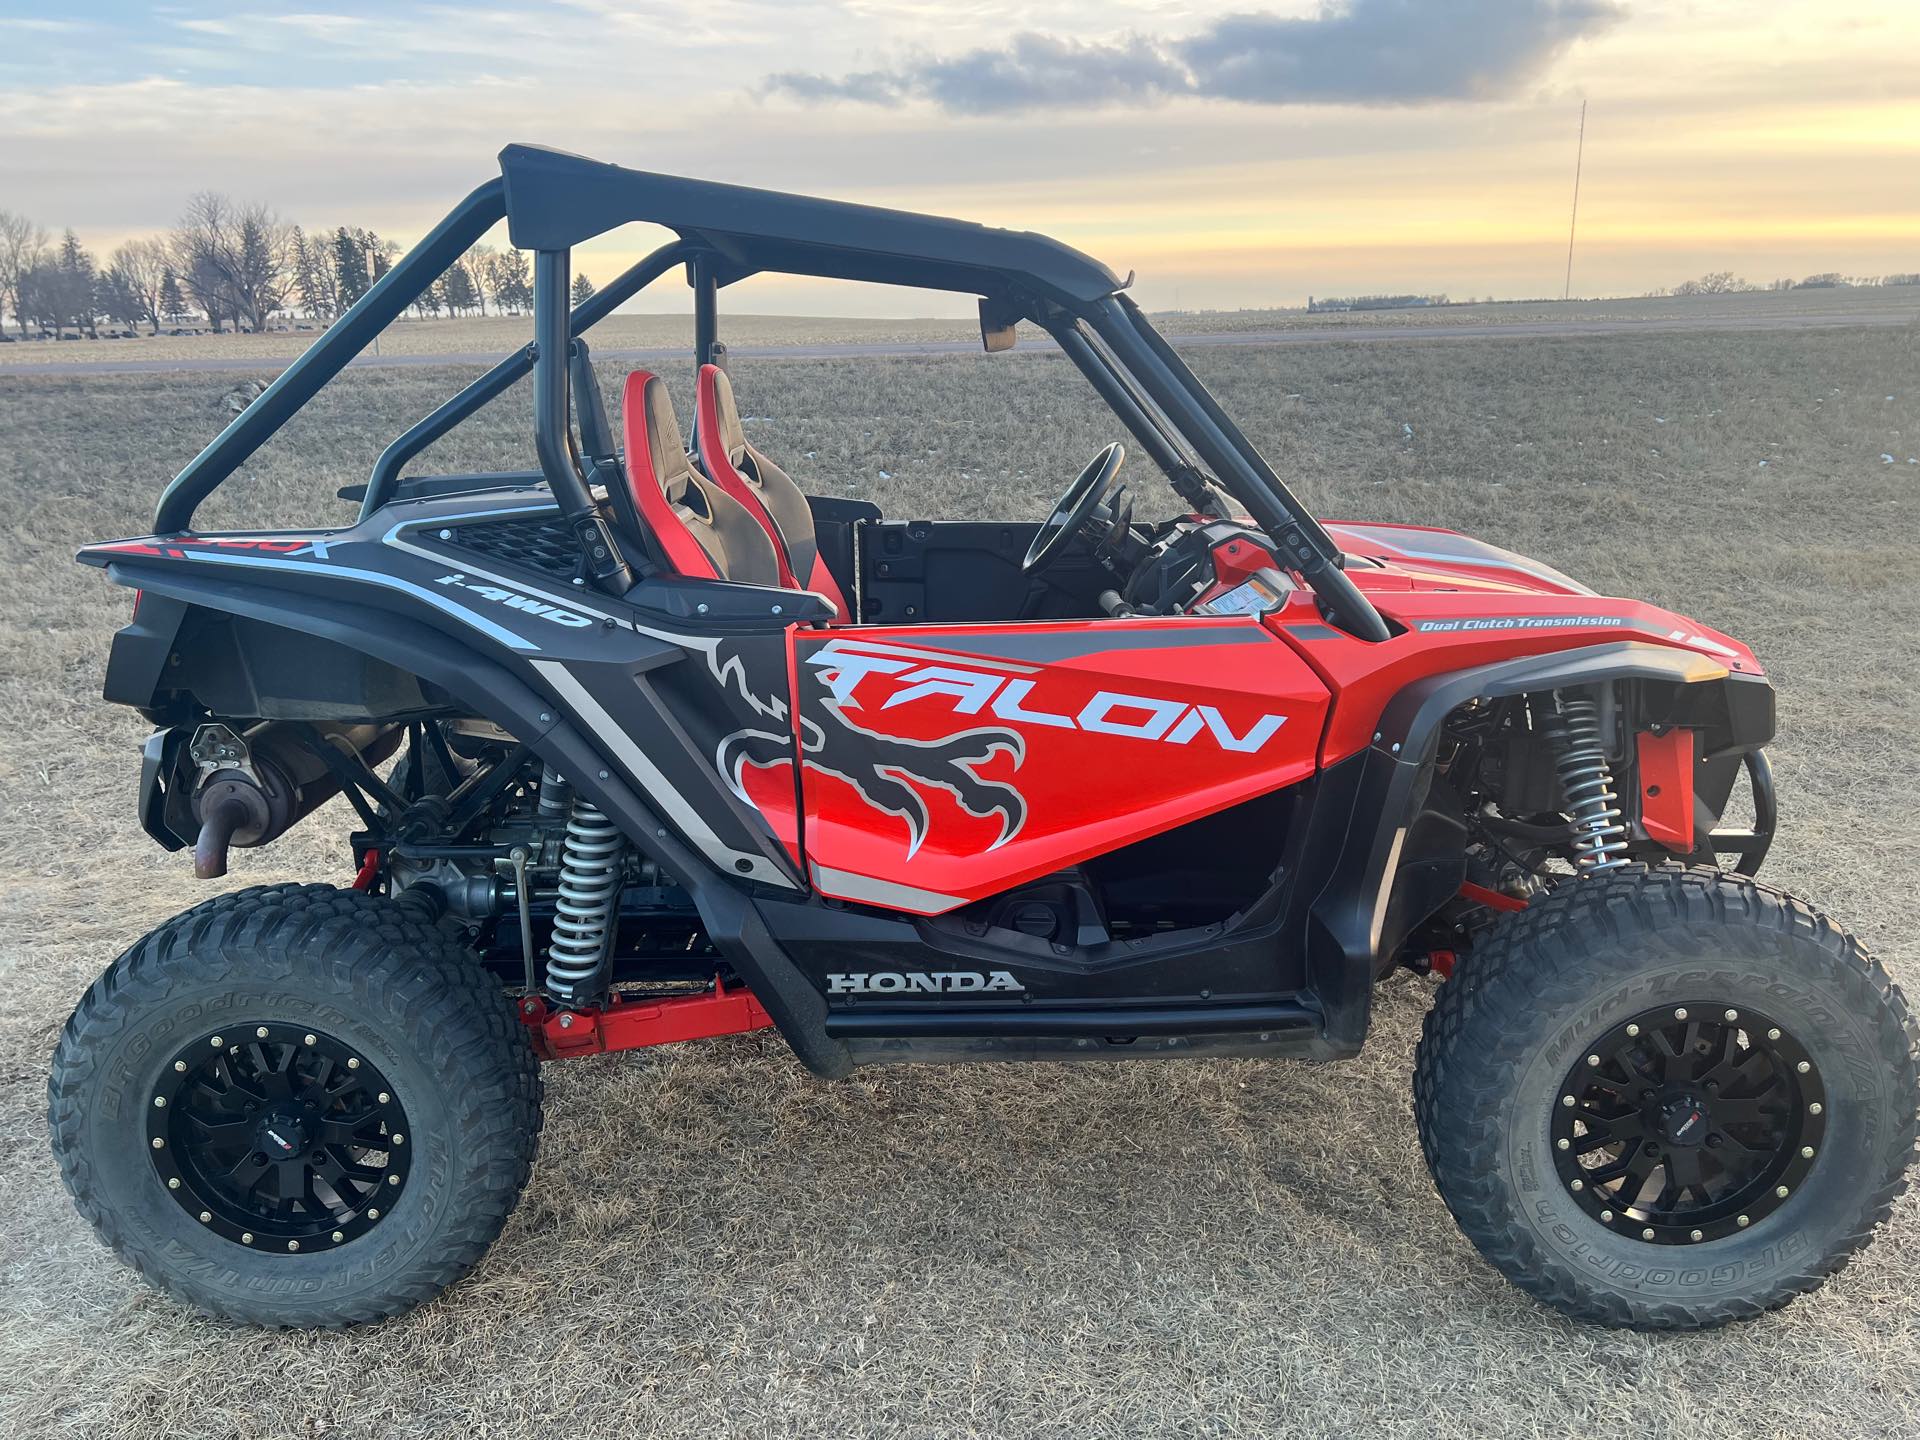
[[540, 542]]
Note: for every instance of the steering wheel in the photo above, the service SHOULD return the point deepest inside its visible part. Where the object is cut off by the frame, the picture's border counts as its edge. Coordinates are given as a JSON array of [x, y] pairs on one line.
[[1087, 490]]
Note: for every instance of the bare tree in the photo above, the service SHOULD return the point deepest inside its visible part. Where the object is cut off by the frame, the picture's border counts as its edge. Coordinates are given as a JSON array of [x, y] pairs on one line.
[[478, 263], [23, 245], [139, 268], [238, 257]]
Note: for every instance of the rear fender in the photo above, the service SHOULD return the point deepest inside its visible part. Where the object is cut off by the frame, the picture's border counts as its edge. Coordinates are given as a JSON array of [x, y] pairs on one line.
[[487, 688]]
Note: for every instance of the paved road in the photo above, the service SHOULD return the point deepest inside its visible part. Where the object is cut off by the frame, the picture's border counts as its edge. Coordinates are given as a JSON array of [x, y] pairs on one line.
[[1513, 330]]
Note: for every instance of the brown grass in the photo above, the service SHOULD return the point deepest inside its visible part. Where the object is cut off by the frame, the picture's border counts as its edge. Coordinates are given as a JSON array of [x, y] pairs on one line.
[[496, 335], [716, 1244]]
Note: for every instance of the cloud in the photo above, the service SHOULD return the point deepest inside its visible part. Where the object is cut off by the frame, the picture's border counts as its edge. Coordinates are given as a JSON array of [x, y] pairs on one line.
[[1365, 52]]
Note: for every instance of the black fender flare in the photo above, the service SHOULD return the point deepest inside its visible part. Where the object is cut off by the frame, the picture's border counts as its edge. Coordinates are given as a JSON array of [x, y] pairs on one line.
[[492, 691], [1347, 919]]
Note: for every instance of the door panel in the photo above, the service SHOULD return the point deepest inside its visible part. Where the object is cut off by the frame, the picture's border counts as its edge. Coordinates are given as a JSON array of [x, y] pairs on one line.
[[946, 763]]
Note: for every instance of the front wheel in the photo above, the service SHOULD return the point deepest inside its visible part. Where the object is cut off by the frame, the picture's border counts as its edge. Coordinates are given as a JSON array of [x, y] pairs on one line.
[[296, 1106], [1668, 1099]]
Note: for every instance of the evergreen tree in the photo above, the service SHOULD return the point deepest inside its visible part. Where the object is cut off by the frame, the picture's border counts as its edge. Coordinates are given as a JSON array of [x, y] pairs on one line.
[[582, 289], [76, 284], [459, 289], [349, 266], [173, 305]]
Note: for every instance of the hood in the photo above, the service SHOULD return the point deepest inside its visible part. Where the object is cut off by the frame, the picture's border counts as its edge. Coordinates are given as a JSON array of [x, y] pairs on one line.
[[1419, 557]]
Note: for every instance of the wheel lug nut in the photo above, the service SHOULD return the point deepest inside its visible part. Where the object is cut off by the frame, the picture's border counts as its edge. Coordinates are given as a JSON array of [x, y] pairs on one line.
[[1680, 1012], [261, 1033], [1804, 1066], [1733, 1015], [373, 1214], [159, 1102], [338, 1237], [1743, 1222], [1815, 1108], [1564, 1144], [158, 1143], [399, 1139], [386, 1099], [173, 1183], [1695, 1235], [1806, 1152], [1647, 1234], [1576, 1185], [353, 1064], [216, 1042], [206, 1217], [246, 1237], [181, 1066], [1593, 1059], [1633, 1029], [1773, 1034], [293, 1244], [310, 1039], [1781, 1191], [393, 1179]]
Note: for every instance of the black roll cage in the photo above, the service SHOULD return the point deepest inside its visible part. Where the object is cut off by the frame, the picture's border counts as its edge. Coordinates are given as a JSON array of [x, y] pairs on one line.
[[553, 201]]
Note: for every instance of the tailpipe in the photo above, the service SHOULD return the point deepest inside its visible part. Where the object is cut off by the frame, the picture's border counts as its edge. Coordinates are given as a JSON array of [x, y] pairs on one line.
[[250, 788]]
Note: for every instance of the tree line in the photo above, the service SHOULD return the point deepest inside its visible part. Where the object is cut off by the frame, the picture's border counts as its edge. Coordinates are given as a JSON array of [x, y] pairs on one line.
[[1725, 282], [231, 266]]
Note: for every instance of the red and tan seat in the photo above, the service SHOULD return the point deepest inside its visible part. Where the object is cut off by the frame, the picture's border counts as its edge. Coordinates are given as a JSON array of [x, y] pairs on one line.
[[763, 489], [697, 528]]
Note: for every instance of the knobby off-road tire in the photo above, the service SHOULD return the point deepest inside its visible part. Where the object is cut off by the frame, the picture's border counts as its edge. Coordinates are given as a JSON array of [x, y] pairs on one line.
[[1517, 1018], [362, 979]]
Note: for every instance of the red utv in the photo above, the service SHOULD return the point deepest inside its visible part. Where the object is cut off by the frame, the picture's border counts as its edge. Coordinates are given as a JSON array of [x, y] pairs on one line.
[[683, 751]]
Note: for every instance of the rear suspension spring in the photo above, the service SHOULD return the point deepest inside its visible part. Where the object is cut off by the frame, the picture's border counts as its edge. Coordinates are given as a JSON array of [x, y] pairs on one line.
[[592, 857], [1599, 835]]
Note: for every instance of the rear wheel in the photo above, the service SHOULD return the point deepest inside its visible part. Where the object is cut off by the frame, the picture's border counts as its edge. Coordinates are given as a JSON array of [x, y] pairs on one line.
[[1668, 1099], [296, 1106]]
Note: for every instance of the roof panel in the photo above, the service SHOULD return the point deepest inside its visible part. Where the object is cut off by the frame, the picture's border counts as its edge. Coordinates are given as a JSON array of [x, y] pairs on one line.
[[556, 200]]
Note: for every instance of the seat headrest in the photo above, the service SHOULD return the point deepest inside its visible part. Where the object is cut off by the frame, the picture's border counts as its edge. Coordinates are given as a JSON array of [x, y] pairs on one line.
[[718, 408], [655, 452]]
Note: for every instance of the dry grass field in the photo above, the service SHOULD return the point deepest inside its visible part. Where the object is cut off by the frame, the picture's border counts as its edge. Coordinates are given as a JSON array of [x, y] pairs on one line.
[[496, 335], [716, 1244]]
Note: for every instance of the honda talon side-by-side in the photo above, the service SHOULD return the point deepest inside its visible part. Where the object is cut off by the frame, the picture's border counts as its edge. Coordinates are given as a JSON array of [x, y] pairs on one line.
[[647, 745]]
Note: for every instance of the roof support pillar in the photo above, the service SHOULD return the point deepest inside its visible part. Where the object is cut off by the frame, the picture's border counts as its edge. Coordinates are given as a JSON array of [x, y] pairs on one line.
[[553, 423], [706, 308]]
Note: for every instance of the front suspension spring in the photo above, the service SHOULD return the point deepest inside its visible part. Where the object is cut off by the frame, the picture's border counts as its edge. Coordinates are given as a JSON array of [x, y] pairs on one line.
[[1599, 835]]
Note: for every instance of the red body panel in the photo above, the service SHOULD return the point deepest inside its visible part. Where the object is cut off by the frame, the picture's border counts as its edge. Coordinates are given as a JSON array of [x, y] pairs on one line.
[[961, 760], [1666, 787], [1476, 606]]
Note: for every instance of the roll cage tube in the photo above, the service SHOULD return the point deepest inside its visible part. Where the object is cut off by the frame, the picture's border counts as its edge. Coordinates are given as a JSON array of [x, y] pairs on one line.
[[384, 302], [1113, 388], [553, 424], [509, 372], [1178, 391]]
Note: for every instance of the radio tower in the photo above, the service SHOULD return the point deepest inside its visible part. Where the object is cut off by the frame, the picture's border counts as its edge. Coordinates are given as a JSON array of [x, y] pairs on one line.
[[1579, 154]]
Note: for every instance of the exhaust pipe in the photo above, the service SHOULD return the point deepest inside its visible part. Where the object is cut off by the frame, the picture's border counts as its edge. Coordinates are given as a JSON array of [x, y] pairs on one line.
[[249, 790]]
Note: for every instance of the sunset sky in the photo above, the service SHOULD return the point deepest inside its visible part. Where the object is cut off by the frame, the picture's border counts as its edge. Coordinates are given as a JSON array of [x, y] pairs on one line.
[[1248, 153]]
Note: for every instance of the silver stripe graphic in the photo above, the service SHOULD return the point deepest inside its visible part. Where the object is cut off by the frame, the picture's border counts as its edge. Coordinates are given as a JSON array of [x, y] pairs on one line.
[[869, 891], [673, 805], [374, 577]]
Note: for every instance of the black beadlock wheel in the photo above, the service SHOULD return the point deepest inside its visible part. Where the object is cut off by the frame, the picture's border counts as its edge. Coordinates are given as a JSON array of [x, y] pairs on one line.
[[1668, 1098], [278, 1136], [296, 1106]]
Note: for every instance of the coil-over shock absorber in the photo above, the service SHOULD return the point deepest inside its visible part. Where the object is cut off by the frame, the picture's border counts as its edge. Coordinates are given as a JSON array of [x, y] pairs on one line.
[[586, 914], [1599, 834]]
